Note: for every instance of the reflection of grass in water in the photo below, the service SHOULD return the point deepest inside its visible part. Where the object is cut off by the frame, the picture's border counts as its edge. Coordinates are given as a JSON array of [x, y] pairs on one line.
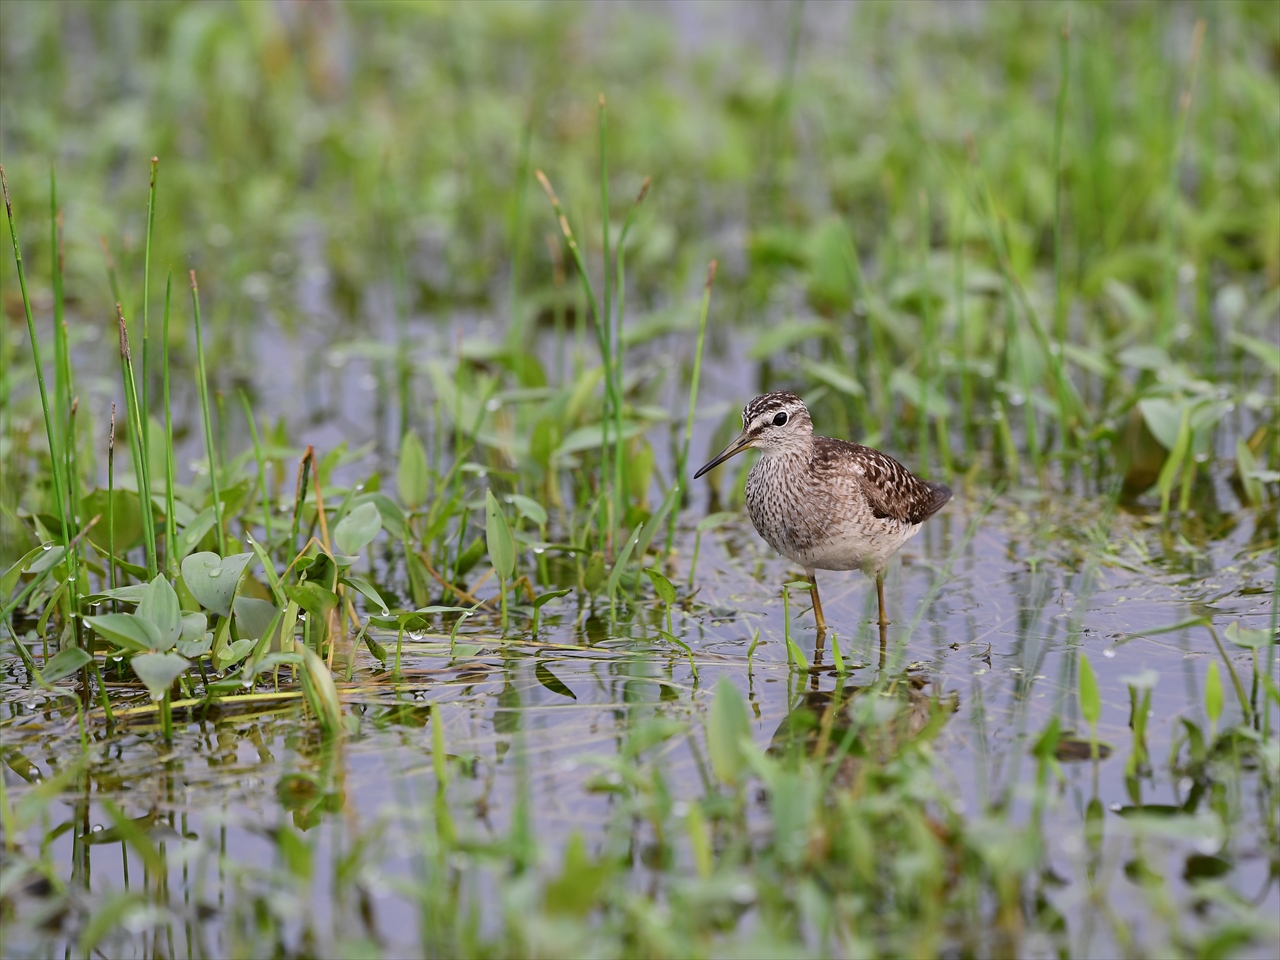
[[921, 264]]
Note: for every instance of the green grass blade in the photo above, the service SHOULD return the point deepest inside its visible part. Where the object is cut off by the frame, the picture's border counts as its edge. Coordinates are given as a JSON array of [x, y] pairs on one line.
[[202, 382]]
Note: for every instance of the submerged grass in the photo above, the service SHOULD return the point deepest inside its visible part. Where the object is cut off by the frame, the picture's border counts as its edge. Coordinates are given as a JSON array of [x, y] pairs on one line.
[[1097, 249]]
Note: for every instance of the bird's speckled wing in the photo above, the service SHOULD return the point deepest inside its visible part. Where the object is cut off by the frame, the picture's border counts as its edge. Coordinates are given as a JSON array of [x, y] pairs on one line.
[[890, 488]]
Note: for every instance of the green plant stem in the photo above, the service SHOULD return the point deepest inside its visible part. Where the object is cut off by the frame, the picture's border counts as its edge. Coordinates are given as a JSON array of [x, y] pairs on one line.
[[620, 475], [1059, 291], [262, 465], [51, 432], [1231, 670], [682, 463], [611, 387], [136, 426], [614, 407], [928, 346], [962, 335], [146, 324], [1169, 287], [170, 521], [111, 503], [202, 382]]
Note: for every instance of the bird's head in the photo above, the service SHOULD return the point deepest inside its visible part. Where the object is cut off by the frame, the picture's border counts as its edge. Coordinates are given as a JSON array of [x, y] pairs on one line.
[[774, 423]]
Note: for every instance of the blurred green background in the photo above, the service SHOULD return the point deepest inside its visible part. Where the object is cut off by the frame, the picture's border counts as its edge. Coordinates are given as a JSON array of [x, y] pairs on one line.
[[329, 167]]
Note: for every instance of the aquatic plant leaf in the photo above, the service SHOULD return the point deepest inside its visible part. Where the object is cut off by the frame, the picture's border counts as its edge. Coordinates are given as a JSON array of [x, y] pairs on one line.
[[413, 475], [662, 586], [1213, 693], [392, 514], [213, 580], [929, 397], [544, 441], [131, 594], [236, 651], [159, 604], [639, 543], [1177, 455], [157, 671], [64, 663], [552, 682], [1247, 470], [591, 437], [195, 531], [367, 590], [123, 509], [833, 377], [319, 689], [575, 891], [1090, 700], [194, 649], [497, 536], [699, 840], [194, 626], [46, 560], [126, 630], [253, 616], [713, 521], [543, 598], [1247, 637], [357, 529], [11, 576], [530, 509], [773, 340], [1163, 417], [726, 727], [1267, 352], [313, 598]]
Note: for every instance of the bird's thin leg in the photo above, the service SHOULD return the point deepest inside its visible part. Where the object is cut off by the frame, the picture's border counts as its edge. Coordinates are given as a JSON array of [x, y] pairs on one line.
[[884, 621], [817, 606]]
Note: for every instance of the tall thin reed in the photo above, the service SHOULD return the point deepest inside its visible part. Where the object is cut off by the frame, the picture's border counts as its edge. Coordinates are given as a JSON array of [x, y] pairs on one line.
[[1059, 291], [111, 500], [136, 426], [202, 382], [515, 327], [927, 345], [262, 465], [63, 389], [682, 463], [146, 318], [1169, 287], [601, 322], [620, 475], [51, 432], [963, 338], [613, 408], [65, 403], [170, 533]]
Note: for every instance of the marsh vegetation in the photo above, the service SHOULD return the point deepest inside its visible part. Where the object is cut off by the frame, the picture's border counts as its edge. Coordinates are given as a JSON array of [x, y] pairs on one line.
[[356, 597]]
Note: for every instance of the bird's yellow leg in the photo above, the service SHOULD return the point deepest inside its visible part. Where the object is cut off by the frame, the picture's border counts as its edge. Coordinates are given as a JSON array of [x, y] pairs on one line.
[[884, 621], [817, 605]]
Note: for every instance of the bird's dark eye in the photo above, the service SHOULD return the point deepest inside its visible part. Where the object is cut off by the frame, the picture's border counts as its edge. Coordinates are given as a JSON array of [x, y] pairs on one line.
[[780, 419]]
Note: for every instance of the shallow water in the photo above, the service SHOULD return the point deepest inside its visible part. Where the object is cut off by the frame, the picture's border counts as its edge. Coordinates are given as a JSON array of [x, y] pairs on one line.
[[991, 604]]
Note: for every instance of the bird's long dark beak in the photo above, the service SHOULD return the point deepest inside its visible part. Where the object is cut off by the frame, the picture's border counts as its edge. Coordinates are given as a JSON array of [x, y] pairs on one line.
[[742, 442]]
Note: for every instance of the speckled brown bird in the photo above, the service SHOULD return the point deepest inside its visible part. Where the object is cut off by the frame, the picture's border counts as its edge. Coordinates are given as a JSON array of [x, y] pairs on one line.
[[823, 503]]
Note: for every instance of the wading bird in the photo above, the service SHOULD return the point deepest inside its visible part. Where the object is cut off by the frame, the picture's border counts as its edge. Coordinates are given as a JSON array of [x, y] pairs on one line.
[[823, 503]]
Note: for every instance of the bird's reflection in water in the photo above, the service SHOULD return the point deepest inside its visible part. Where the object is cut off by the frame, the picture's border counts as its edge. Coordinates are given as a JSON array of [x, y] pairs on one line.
[[850, 724]]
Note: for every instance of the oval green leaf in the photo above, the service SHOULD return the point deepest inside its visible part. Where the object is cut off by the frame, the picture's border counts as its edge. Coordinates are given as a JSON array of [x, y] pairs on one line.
[[157, 671], [497, 535], [213, 580], [357, 529]]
